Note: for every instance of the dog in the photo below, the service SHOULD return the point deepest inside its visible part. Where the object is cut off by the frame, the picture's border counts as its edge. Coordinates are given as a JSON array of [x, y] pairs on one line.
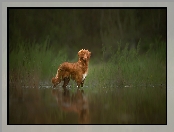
[[76, 71]]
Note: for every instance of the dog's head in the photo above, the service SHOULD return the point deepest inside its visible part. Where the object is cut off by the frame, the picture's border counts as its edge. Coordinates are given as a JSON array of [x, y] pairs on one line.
[[84, 55]]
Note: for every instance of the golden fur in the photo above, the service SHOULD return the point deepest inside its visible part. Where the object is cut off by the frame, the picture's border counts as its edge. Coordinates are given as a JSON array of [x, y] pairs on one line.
[[76, 71]]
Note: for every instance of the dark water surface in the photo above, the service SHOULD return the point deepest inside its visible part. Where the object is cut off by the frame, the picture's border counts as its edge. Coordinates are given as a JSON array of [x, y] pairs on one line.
[[126, 105]]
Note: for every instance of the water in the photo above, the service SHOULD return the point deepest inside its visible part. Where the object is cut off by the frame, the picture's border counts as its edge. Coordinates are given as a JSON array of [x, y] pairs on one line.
[[88, 105]]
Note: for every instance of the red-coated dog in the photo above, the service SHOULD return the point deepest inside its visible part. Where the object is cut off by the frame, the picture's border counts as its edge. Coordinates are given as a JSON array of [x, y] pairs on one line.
[[76, 71]]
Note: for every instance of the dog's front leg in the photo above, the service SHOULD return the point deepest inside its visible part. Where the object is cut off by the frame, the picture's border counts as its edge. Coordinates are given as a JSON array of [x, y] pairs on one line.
[[78, 84], [82, 83], [80, 80]]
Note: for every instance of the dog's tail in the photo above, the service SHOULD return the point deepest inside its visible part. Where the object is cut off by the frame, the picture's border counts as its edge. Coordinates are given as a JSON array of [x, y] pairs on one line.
[[57, 74], [56, 80]]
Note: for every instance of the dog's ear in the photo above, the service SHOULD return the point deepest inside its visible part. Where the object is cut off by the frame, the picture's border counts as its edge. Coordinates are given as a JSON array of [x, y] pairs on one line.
[[79, 53], [89, 53]]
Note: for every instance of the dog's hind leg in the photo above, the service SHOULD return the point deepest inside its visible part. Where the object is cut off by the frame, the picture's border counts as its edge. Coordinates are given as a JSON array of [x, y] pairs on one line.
[[66, 81], [66, 78]]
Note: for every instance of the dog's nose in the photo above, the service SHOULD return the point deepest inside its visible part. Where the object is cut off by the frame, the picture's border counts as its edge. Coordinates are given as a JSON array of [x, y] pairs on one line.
[[85, 58]]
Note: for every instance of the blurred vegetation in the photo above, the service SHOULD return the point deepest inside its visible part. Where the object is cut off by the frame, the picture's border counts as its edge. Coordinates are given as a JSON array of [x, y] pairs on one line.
[[129, 68], [74, 29]]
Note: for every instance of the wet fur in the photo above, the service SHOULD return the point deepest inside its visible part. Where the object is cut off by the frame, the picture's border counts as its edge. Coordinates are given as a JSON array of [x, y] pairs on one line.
[[76, 71]]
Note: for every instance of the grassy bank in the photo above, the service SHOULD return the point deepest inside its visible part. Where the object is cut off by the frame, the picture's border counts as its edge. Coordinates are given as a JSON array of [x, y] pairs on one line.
[[130, 67], [34, 62], [39, 62]]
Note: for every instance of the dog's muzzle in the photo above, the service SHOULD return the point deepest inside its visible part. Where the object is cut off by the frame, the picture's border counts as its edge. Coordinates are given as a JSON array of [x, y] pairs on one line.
[[85, 59]]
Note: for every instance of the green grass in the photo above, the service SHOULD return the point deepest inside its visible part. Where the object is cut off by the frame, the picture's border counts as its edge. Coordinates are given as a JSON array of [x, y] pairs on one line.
[[128, 67], [37, 62], [124, 67]]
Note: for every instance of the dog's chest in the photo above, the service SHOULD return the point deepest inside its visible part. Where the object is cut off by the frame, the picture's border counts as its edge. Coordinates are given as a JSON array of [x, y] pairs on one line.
[[84, 76]]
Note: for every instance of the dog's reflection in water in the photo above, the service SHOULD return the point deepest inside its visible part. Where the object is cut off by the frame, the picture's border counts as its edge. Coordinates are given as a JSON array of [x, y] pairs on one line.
[[76, 102]]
